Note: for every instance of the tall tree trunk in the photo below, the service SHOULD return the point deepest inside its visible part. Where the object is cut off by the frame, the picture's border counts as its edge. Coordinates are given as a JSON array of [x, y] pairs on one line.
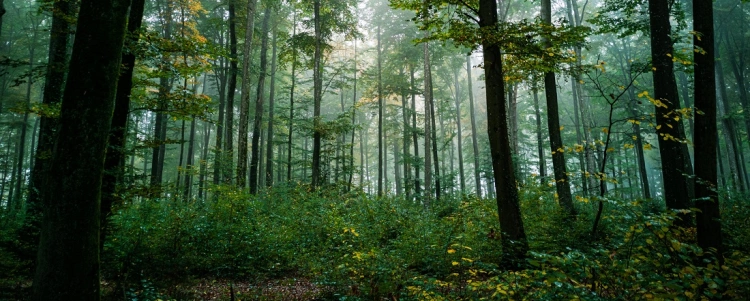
[[189, 166], [673, 160], [291, 104], [245, 102], [459, 133], [539, 139], [730, 134], [428, 128], [68, 256], [434, 140], [115, 157], [560, 172], [354, 121], [228, 153], [705, 132], [474, 142], [645, 186], [21, 154], [405, 140], [509, 211], [271, 96], [381, 112], [52, 94], [413, 88], [160, 130], [258, 122], [317, 94], [219, 154], [204, 160]]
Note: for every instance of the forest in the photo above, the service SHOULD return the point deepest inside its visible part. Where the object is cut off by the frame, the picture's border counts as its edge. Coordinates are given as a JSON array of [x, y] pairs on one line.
[[374, 150]]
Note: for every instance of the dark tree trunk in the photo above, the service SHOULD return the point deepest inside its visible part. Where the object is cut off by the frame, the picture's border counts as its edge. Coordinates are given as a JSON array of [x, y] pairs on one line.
[[115, 157], [291, 106], [245, 100], [459, 133], [474, 142], [257, 123], [189, 164], [204, 160], [381, 145], [730, 133], [539, 139], [705, 131], [560, 172], [509, 211], [639, 148], [412, 86], [228, 154], [68, 256], [405, 140], [317, 95], [673, 160], [52, 94], [271, 96]]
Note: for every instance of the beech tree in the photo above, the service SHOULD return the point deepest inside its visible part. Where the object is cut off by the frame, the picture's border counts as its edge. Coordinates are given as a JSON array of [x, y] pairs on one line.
[[68, 258]]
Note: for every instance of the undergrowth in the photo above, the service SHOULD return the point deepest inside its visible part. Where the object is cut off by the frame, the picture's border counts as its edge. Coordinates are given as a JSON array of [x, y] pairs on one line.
[[337, 245]]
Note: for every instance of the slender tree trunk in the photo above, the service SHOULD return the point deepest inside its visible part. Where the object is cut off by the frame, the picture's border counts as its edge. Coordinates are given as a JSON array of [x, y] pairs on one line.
[[645, 186], [474, 142], [428, 128], [219, 156], [204, 160], [434, 149], [160, 130], [258, 122], [730, 134], [413, 88], [271, 96], [560, 172], [291, 105], [381, 145], [245, 102], [405, 140], [673, 160], [509, 211], [354, 121], [539, 139], [68, 256], [18, 196], [459, 133], [228, 154], [317, 95], [189, 166]]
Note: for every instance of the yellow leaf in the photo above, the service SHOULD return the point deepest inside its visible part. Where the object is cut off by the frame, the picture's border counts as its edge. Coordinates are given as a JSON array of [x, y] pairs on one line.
[[647, 146], [562, 127], [451, 251], [454, 263], [605, 130], [635, 137]]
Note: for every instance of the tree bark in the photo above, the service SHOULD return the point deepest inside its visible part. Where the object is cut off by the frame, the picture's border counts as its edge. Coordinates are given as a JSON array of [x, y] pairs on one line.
[[68, 256], [459, 133], [705, 132], [381, 112], [228, 153], [474, 142], [560, 172], [670, 132], [509, 212], [539, 139], [271, 96], [257, 123], [317, 95], [245, 102]]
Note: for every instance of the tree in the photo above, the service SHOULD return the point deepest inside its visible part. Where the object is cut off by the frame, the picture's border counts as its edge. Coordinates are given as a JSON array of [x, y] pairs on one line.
[[245, 104], [511, 224], [317, 94], [665, 101], [705, 131], [68, 257], [560, 172], [257, 123]]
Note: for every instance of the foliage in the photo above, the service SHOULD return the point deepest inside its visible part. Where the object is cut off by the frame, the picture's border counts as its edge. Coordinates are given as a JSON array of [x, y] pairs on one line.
[[361, 247]]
